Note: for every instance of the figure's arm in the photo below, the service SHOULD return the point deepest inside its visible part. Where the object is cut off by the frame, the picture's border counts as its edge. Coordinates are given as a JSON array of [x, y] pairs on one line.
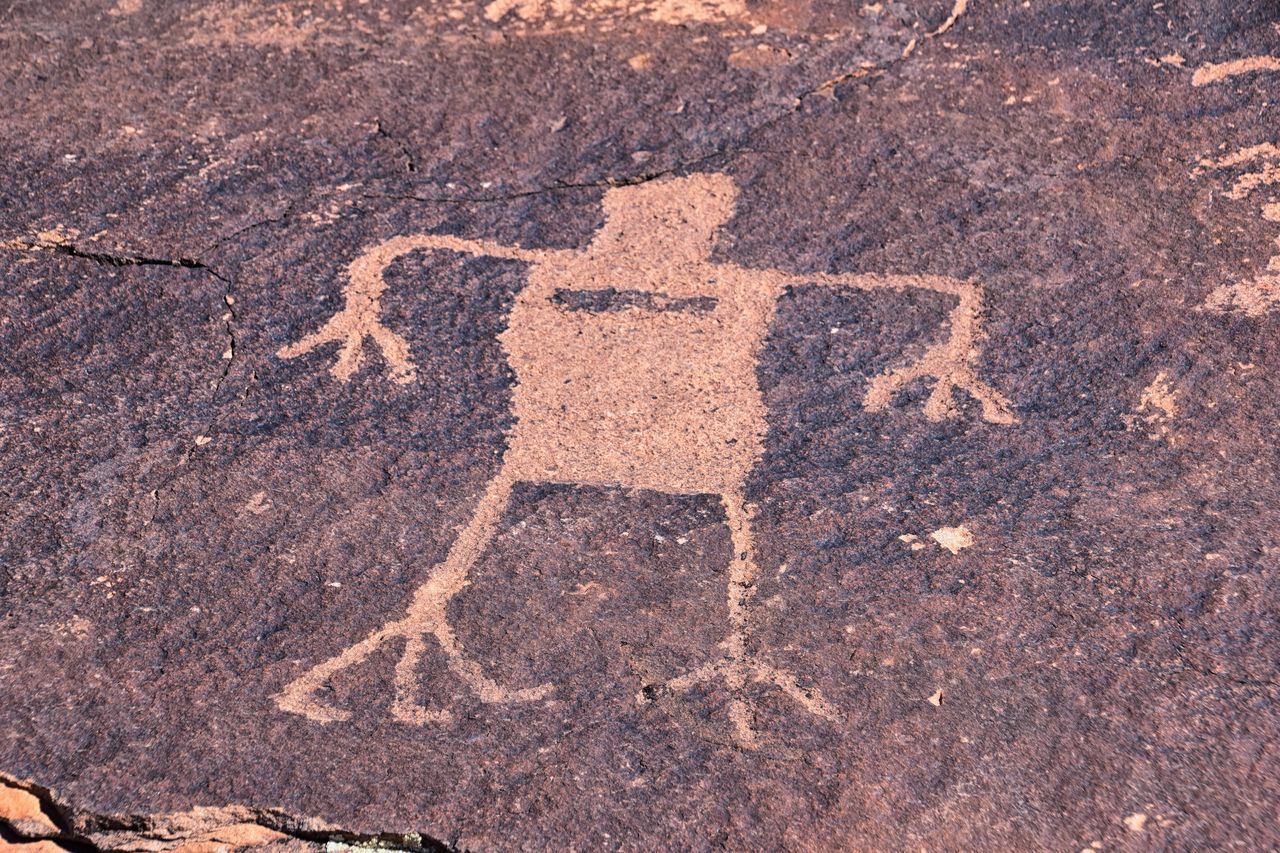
[[359, 317], [950, 362]]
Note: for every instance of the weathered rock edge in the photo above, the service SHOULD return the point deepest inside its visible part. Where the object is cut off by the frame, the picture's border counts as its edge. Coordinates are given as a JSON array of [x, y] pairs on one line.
[[60, 825]]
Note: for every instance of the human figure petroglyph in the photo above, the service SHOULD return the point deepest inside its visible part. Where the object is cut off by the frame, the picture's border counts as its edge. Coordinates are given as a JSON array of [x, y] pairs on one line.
[[658, 394]]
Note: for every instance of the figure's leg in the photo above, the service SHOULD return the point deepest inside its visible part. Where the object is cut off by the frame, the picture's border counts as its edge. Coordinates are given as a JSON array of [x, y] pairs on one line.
[[743, 573], [738, 665], [426, 616]]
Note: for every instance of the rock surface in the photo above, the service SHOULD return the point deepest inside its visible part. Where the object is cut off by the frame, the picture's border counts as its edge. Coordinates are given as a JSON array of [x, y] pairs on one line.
[[983, 555]]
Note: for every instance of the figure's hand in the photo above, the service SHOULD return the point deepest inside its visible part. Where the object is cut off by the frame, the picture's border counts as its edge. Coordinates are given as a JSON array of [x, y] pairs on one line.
[[359, 318], [949, 363], [950, 370], [350, 327]]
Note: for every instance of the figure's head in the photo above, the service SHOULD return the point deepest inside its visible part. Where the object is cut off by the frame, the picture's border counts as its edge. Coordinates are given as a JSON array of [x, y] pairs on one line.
[[675, 216]]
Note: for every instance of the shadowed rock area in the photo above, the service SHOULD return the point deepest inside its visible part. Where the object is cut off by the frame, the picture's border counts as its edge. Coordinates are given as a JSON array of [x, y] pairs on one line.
[[693, 424]]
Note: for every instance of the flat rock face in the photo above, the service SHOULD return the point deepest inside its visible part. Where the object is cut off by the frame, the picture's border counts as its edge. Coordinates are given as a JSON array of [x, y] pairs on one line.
[[612, 425]]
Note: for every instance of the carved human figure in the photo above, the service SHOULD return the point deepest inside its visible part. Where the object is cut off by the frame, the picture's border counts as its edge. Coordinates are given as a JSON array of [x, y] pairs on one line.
[[657, 393]]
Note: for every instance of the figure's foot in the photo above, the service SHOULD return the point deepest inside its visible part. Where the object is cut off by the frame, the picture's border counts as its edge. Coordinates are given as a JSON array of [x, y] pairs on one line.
[[302, 696], [736, 672]]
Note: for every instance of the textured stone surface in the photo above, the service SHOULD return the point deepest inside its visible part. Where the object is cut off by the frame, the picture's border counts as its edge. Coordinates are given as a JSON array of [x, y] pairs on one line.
[[1051, 630]]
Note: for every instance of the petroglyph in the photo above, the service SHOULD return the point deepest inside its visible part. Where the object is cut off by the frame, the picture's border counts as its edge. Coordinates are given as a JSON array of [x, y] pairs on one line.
[[656, 390], [1160, 398], [1217, 72], [956, 11], [125, 7], [263, 24], [673, 12], [258, 24], [1156, 407], [44, 241], [1256, 296], [1252, 180]]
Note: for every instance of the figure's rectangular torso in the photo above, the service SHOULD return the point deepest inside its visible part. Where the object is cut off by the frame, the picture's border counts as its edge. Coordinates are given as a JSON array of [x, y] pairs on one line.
[[644, 398]]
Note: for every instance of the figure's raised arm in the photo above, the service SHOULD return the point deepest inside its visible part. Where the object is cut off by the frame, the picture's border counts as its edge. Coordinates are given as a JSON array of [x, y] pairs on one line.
[[950, 362], [358, 319]]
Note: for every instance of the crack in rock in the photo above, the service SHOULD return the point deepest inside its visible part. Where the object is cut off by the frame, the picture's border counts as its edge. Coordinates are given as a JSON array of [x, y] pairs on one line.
[[728, 150], [59, 242], [63, 247], [557, 186]]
